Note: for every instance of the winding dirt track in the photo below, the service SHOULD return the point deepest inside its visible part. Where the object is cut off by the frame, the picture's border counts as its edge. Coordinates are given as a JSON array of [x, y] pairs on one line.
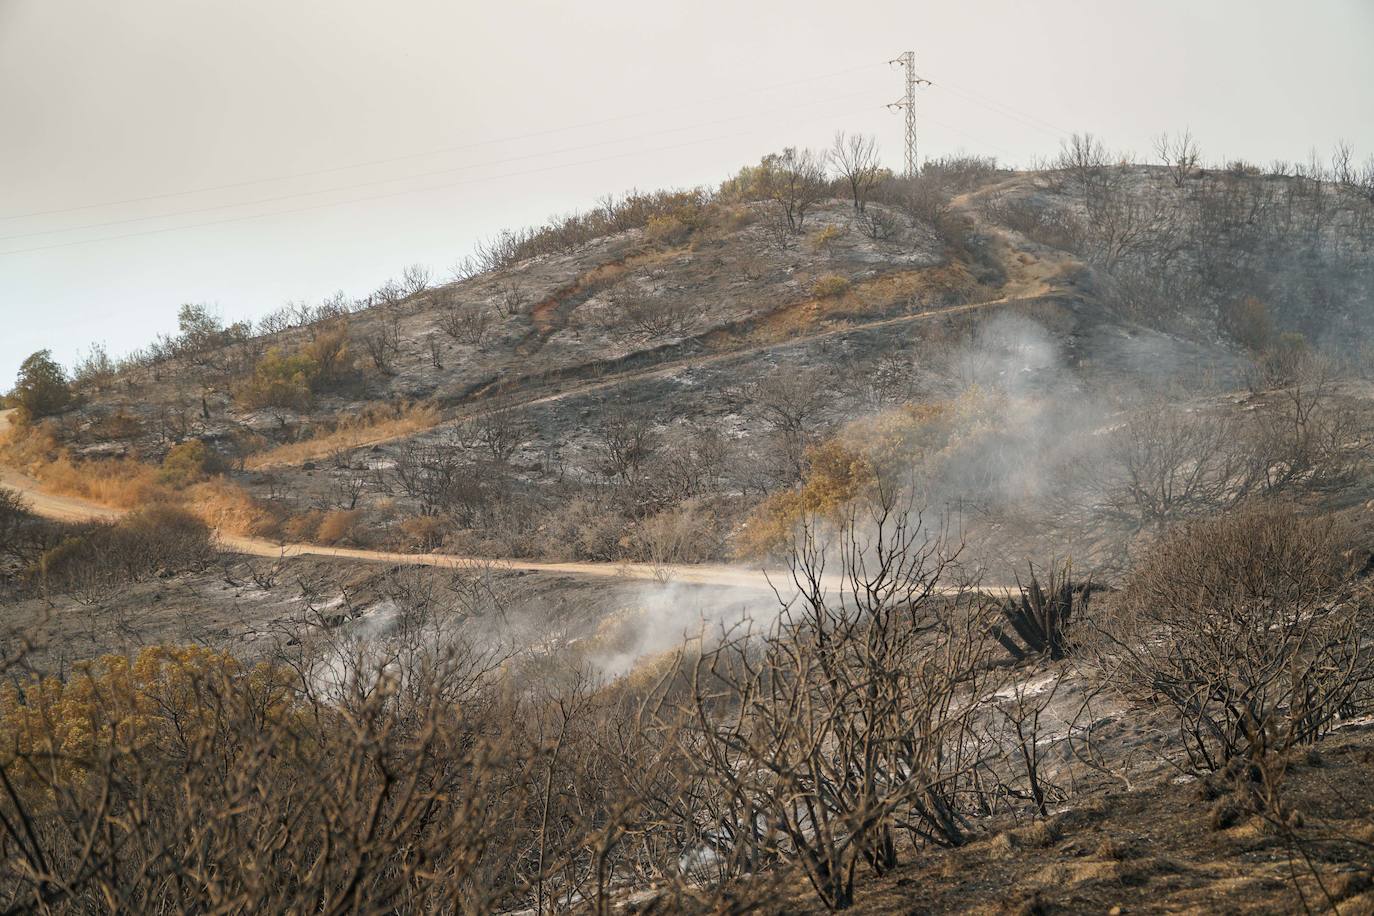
[[1026, 279], [73, 509]]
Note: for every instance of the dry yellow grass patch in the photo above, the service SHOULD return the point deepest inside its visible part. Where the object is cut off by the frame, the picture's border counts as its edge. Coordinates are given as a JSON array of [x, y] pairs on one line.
[[351, 432], [118, 482], [947, 282], [125, 483], [225, 505]]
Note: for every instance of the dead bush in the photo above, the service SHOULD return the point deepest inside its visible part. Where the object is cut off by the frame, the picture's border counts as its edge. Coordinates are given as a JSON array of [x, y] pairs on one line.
[[97, 558], [466, 323], [1248, 323], [651, 313], [1240, 626], [182, 779], [685, 533], [340, 526], [831, 286], [14, 518], [838, 728], [423, 532]]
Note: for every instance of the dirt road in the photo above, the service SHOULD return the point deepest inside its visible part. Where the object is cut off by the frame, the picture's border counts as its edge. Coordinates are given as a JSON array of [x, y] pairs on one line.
[[74, 509]]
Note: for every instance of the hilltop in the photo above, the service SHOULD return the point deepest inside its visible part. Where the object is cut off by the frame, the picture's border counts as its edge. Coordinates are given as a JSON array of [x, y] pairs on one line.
[[633, 383], [985, 540]]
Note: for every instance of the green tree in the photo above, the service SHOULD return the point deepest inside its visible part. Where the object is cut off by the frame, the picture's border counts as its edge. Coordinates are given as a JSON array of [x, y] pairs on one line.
[[199, 328], [41, 389], [280, 380]]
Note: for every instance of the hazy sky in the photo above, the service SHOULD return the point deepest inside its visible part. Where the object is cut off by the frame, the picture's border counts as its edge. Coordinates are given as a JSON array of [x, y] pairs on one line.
[[328, 143]]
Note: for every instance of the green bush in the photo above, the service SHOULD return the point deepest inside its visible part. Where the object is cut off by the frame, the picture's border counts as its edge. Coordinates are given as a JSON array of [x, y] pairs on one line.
[[41, 389], [280, 380], [190, 462]]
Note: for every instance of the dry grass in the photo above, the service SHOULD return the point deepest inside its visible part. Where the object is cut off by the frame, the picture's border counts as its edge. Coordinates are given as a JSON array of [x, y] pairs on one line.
[[125, 483], [912, 289], [351, 432], [122, 483], [224, 505]]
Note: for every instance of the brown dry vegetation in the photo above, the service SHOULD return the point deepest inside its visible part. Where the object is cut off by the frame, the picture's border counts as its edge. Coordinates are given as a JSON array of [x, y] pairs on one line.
[[125, 483], [674, 378], [348, 433], [861, 746]]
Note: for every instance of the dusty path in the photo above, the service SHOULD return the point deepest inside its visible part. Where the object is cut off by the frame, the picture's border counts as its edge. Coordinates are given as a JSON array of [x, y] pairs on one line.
[[74, 509]]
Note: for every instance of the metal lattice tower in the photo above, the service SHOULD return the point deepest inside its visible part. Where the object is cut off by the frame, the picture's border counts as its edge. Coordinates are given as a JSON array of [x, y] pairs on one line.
[[908, 104]]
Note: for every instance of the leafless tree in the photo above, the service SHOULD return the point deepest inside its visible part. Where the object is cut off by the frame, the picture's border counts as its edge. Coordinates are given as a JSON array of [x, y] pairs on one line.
[[627, 442], [1304, 431], [415, 279], [795, 182], [1121, 224], [1166, 463], [383, 344], [511, 297], [345, 491], [1083, 158], [389, 293], [879, 223], [440, 480], [856, 159], [498, 432], [690, 463], [651, 314], [1179, 154], [465, 322], [790, 402], [839, 727]]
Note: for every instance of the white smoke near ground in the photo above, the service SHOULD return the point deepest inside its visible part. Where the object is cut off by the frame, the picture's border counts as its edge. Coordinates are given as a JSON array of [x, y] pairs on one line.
[[665, 616], [1024, 427], [1029, 416], [1024, 418]]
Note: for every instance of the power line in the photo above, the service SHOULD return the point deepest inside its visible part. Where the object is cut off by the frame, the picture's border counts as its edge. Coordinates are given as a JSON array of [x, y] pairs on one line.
[[382, 181], [339, 203], [434, 152], [1004, 109]]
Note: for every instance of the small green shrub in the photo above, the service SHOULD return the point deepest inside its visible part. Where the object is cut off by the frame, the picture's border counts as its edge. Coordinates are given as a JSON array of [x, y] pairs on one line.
[[190, 462], [41, 389]]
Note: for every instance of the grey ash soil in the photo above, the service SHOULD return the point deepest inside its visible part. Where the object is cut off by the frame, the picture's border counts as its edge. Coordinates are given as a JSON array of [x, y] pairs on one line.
[[257, 609], [563, 353]]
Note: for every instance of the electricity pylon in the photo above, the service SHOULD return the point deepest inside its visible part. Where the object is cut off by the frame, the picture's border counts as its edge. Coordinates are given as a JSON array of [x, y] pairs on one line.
[[908, 103]]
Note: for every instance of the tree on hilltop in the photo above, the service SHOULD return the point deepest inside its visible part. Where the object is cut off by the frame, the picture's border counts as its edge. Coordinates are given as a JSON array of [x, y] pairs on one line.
[[41, 389]]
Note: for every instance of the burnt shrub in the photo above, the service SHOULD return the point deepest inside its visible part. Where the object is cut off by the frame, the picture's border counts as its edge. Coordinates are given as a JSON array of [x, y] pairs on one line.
[[1039, 617], [1247, 629], [145, 542]]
